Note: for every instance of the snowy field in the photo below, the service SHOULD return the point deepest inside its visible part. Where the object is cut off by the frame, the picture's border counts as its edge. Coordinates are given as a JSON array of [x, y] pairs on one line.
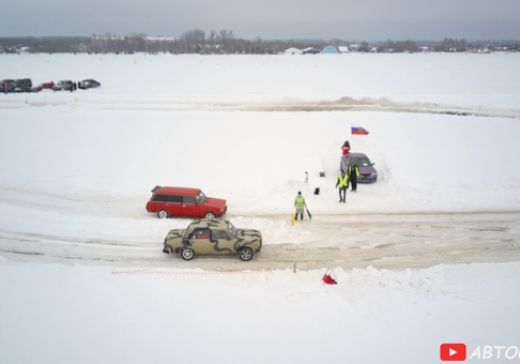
[[82, 272]]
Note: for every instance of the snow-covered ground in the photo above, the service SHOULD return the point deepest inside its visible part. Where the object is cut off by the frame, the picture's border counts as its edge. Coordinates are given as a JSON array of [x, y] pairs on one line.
[[63, 314], [76, 170], [454, 79]]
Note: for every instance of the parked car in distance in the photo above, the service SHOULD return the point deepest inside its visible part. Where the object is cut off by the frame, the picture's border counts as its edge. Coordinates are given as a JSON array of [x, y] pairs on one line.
[[43, 86], [19, 85], [184, 202], [7, 86], [88, 83], [64, 85], [23, 85], [367, 172], [213, 237]]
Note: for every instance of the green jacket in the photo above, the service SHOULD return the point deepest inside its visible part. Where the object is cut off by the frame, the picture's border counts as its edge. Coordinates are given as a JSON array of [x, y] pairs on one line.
[[299, 202]]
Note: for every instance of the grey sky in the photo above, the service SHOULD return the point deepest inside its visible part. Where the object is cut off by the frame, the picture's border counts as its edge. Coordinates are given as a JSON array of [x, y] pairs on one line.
[[346, 19]]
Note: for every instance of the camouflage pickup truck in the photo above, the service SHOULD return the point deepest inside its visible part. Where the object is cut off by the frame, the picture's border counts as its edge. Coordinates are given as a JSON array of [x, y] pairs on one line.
[[213, 237]]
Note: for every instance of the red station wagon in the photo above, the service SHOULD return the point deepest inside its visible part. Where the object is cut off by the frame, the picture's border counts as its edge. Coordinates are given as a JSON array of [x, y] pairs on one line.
[[184, 202]]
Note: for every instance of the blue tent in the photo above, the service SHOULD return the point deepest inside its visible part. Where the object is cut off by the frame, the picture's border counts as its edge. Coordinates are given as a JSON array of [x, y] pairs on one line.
[[330, 50]]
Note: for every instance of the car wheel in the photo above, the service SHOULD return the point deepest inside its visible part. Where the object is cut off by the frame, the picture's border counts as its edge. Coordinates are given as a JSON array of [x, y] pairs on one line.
[[162, 214], [209, 215], [187, 254], [245, 253]]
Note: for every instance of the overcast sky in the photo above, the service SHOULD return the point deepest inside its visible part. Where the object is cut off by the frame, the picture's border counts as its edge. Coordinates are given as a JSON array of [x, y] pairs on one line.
[[268, 19]]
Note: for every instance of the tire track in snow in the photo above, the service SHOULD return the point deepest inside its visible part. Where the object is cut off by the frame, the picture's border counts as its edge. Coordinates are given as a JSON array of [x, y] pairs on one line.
[[394, 241], [345, 103]]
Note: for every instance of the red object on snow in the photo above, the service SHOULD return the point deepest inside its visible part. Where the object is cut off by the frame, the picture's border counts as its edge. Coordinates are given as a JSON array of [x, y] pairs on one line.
[[328, 279], [345, 150]]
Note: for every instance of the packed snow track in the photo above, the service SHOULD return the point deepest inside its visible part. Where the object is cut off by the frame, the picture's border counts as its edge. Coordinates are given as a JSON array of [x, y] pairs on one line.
[[393, 241]]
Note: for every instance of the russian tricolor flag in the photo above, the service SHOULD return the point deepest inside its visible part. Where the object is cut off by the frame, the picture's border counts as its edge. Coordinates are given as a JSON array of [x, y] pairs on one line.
[[357, 130]]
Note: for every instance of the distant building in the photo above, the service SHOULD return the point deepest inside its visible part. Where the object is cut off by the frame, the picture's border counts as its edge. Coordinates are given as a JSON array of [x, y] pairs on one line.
[[160, 39], [330, 50], [311, 50], [354, 47], [343, 49], [106, 37], [293, 51]]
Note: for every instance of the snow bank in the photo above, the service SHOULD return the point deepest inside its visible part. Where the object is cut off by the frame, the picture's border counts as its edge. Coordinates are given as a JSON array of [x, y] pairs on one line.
[[84, 315]]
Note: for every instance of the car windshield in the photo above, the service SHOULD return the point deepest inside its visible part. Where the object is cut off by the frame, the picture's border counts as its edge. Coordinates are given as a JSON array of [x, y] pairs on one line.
[[201, 197], [231, 229], [363, 161]]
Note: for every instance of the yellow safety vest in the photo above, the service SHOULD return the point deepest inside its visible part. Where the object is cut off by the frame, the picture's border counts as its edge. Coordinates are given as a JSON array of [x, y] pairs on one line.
[[343, 181], [356, 169], [299, 202]]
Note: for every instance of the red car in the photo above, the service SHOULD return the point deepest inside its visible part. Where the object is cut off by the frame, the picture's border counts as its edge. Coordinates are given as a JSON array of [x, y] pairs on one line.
[[46, 85], [184, 202]]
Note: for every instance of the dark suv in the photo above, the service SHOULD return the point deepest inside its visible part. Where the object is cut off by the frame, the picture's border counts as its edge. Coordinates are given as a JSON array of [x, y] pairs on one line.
[[20, 85], [88, 83], [23, 85], [7, 86], [65, 85]]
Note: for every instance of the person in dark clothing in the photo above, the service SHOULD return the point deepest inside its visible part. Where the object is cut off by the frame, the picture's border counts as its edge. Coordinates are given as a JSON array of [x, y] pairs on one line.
[[353, 173]]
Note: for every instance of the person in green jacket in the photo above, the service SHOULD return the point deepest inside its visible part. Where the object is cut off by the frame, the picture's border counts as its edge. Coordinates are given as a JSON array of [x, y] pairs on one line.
[[299, 205], [342, 184]]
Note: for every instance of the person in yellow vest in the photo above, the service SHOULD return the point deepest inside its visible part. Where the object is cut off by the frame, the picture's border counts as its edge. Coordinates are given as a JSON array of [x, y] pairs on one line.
[[353, 174], [342, 184], [299, 205]]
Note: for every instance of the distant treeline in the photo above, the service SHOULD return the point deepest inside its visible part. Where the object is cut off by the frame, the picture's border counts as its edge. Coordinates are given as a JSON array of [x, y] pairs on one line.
[[224, 42]]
